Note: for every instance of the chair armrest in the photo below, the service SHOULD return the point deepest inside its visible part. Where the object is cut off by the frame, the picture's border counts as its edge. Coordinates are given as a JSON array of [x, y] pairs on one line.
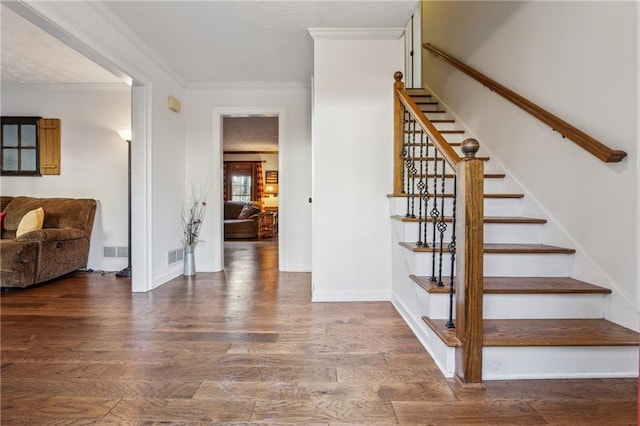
[[52, 234]]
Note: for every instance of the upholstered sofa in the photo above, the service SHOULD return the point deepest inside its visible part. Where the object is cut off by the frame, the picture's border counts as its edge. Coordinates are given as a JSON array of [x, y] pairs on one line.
[[60, 247], [240, 219]]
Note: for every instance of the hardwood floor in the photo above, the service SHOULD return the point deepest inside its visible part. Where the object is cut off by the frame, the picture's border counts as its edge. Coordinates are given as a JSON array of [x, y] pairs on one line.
[[247, 346]]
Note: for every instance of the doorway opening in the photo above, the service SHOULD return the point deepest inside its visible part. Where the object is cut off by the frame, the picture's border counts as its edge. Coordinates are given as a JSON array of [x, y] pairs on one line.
[[250, 180]]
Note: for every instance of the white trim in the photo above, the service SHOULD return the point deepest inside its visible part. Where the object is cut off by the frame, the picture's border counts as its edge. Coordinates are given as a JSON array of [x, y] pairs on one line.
[[248, 85], [141, 190], [216, 131], [123, 29], [111, 87], [295, 268], [420, 333], [350, 296], [167, 276], [356, 33]]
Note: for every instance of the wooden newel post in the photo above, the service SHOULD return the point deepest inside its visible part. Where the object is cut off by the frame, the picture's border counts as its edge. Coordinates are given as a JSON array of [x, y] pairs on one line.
[[398, 133], [469, 268]]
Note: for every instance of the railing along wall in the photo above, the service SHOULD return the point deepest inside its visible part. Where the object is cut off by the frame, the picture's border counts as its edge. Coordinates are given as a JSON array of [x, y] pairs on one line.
[[583, 140], [444, 195]]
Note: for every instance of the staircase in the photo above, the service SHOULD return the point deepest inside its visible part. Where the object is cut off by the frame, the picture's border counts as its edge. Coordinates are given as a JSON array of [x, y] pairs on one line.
[[538, 321]]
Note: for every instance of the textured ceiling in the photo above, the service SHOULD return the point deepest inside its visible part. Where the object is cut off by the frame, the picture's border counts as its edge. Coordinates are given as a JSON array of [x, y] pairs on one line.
[[248, 41], [30, 55], [258, 134], [201, 42]]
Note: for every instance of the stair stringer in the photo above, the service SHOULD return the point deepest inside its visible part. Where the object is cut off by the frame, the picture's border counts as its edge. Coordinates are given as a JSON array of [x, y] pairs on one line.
[[412, 302], [620, 307]]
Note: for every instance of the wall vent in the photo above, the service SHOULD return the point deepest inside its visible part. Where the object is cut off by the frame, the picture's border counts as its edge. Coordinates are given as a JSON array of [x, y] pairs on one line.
[[175, 256], [122, 252]]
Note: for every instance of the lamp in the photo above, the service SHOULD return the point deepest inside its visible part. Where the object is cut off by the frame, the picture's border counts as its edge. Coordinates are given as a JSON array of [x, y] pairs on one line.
[[271, 190], [125, 134]]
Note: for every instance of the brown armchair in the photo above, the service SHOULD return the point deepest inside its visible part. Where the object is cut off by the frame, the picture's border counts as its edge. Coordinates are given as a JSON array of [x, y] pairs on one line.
[[60, 247]]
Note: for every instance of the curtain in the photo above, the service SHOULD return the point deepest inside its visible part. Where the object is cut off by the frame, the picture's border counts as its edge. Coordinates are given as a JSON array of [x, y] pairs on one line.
[[257, 178], [226, 192]]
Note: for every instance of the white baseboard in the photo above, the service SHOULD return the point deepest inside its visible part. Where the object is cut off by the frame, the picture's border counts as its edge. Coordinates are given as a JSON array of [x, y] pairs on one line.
[[421, 332], [349, 296]]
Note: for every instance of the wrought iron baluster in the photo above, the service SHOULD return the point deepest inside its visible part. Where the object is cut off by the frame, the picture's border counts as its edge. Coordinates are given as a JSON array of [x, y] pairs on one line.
[[407, 160], [435, 214], [413, 169], [426, 196], [421, 187], [404, 148], [452, 251], [442, 225]]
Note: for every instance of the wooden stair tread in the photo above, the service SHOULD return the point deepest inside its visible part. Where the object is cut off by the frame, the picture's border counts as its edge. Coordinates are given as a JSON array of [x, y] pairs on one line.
[[440, 158], [557, 332], [451, 175], [449, 195], [544, 332], [447, 335], [519, 285], [446, 120], [500, 248], [430, 144], [487, 219]]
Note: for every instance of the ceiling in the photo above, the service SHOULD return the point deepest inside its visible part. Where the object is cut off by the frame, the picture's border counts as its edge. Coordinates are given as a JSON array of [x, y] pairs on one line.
[[202, 42], [255, 134], [31, 56]]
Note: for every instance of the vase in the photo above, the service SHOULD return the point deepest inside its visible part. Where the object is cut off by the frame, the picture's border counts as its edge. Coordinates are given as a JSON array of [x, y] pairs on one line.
[[189, 262]]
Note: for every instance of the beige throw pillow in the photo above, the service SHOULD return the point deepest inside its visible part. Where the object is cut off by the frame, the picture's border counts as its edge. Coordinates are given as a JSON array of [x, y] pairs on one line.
[[32, 221]]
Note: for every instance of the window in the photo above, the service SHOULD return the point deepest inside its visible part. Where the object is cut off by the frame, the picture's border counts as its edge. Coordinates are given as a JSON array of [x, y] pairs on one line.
[[20, 146], [240, 187], [243, 181], [30, 146]]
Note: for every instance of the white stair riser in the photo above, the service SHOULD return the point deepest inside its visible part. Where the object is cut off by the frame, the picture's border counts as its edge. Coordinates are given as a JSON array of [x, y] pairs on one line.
[[492, 206], [499, 264], [491, 185], [541, 306], [447, 126], [519, 306], [507, 363], [494, 233]]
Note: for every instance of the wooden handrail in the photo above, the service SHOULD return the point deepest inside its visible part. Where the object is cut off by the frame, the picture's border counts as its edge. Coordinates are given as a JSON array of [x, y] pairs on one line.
[[595, 147]]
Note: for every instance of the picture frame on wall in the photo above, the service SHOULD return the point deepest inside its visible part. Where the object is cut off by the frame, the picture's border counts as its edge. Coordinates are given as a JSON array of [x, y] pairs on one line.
[[271, 176]]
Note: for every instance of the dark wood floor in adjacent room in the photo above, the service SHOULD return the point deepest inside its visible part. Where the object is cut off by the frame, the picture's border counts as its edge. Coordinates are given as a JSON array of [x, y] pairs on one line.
[[247, 346]]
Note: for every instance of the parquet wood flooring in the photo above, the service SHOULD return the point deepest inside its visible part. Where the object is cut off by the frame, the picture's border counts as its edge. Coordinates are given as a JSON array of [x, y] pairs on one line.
[[247, 346]]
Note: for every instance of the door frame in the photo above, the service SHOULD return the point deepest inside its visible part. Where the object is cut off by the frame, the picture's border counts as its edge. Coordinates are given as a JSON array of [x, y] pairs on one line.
[[217, 161]]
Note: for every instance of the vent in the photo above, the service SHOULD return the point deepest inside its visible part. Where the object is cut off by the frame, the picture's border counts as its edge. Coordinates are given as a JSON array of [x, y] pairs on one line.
[[122, 252], [175, 256]]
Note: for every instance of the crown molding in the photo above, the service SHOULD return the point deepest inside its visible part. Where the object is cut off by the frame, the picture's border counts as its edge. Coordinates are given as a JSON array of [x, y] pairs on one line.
[[103, 87], [249, 85], [113, 20], [356, 33]]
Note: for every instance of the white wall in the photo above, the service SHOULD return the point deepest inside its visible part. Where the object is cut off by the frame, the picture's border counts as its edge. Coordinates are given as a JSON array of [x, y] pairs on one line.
[[577, 60], [204, 159], [158, 145], [352, 162], [93, 157]]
